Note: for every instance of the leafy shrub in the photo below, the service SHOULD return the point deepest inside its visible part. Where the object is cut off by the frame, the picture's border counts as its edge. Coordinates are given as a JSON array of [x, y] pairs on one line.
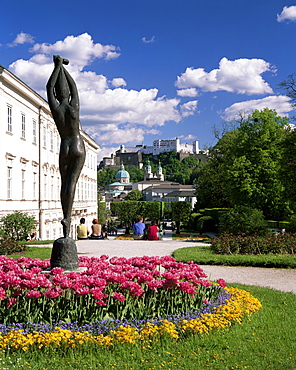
[[18, 225], [206, 223], [228, 243], [243, 219], [291, 227], [192, 222], [10, 246]]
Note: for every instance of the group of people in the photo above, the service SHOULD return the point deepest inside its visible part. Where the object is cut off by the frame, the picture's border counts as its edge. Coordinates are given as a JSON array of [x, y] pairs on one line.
[[153, 232], [97, 231], [140, 232]]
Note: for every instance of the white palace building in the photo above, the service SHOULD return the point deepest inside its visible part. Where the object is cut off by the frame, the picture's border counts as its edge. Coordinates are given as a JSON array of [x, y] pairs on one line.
[[29, 161]]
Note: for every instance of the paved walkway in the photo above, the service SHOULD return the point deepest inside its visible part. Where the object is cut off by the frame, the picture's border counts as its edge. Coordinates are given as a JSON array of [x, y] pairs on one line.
[[279, 279]]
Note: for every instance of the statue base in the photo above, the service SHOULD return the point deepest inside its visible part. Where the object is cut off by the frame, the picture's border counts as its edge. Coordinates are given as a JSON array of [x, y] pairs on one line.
[[64, 254]]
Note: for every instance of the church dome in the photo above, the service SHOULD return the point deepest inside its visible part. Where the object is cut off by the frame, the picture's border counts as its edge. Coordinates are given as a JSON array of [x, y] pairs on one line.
[[122, 174]]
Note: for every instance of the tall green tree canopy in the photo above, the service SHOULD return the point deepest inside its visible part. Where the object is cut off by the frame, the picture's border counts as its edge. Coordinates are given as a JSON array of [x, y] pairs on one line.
[[288, 168], [127, 211], [181, 211], [135, 194], [210, 189], [252, 166], [248, 162]]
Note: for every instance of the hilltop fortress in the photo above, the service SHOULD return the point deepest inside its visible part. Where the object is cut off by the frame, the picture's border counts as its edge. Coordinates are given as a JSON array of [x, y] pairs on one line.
[[133, 155]]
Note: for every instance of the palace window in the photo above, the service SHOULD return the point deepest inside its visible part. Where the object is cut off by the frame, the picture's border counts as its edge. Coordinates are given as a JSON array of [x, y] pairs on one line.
[[52, 188], [34, 132], [9, 182], [9, 118], [34, 185], [23, 126], [44, 137], [51, 141], [45, 188], [23, 183]]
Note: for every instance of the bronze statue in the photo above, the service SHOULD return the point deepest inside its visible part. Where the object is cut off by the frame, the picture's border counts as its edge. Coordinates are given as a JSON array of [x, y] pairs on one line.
[[64, 105]]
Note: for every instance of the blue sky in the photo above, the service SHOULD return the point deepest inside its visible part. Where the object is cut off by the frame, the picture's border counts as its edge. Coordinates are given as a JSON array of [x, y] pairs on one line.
[[156, 69]]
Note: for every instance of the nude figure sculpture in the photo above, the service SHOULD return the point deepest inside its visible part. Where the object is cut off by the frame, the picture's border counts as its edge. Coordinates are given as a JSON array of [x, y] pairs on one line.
[[64, 105]]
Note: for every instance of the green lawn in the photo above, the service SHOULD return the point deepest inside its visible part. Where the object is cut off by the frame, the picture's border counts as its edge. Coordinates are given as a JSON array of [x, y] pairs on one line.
[[33, 252], [204, 256]]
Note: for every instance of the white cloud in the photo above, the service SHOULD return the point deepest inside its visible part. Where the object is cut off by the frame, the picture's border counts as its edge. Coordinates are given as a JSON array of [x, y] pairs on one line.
[[242, 76], [106, 152], [80, 50], [191, 92], [189, 108], [122, 105], [288, 14], [110, 113], [99, 102], [280, 103], [22, 38], [117, 82], [148, 41], [189, 137], [112, 134]]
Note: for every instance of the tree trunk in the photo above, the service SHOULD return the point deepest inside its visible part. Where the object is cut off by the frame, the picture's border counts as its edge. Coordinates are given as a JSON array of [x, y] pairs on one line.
[[178, 223]]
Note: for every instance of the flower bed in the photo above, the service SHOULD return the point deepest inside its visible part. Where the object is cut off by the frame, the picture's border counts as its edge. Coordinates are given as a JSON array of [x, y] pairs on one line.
[[231, 306], [124, 237], [116, 288], [192, 237]]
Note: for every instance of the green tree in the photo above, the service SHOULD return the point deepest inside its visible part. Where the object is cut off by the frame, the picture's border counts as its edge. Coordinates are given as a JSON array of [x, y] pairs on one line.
[[135, 194], [190, 162], [127, 211], [106, 176], [102, 213], [242, 219], [153, 210], [252, 164], [288, 167], [136, 173], [181, 212], [210, 184], [18, 225], [182, 177], [244, 167]]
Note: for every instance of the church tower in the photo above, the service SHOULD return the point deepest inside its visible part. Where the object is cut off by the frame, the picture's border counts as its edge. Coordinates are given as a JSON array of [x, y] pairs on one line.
[[148, 172], [159, 173]]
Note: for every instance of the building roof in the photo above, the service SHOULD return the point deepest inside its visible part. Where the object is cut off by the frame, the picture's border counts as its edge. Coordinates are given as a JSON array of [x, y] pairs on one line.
[[129, 149], [170, 186], [153, 182], [116, 183], [122, 173], [181, 193]]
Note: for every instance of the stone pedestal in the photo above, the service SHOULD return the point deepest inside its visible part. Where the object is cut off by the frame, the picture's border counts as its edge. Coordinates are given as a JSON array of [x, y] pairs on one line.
[[64, 254]]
